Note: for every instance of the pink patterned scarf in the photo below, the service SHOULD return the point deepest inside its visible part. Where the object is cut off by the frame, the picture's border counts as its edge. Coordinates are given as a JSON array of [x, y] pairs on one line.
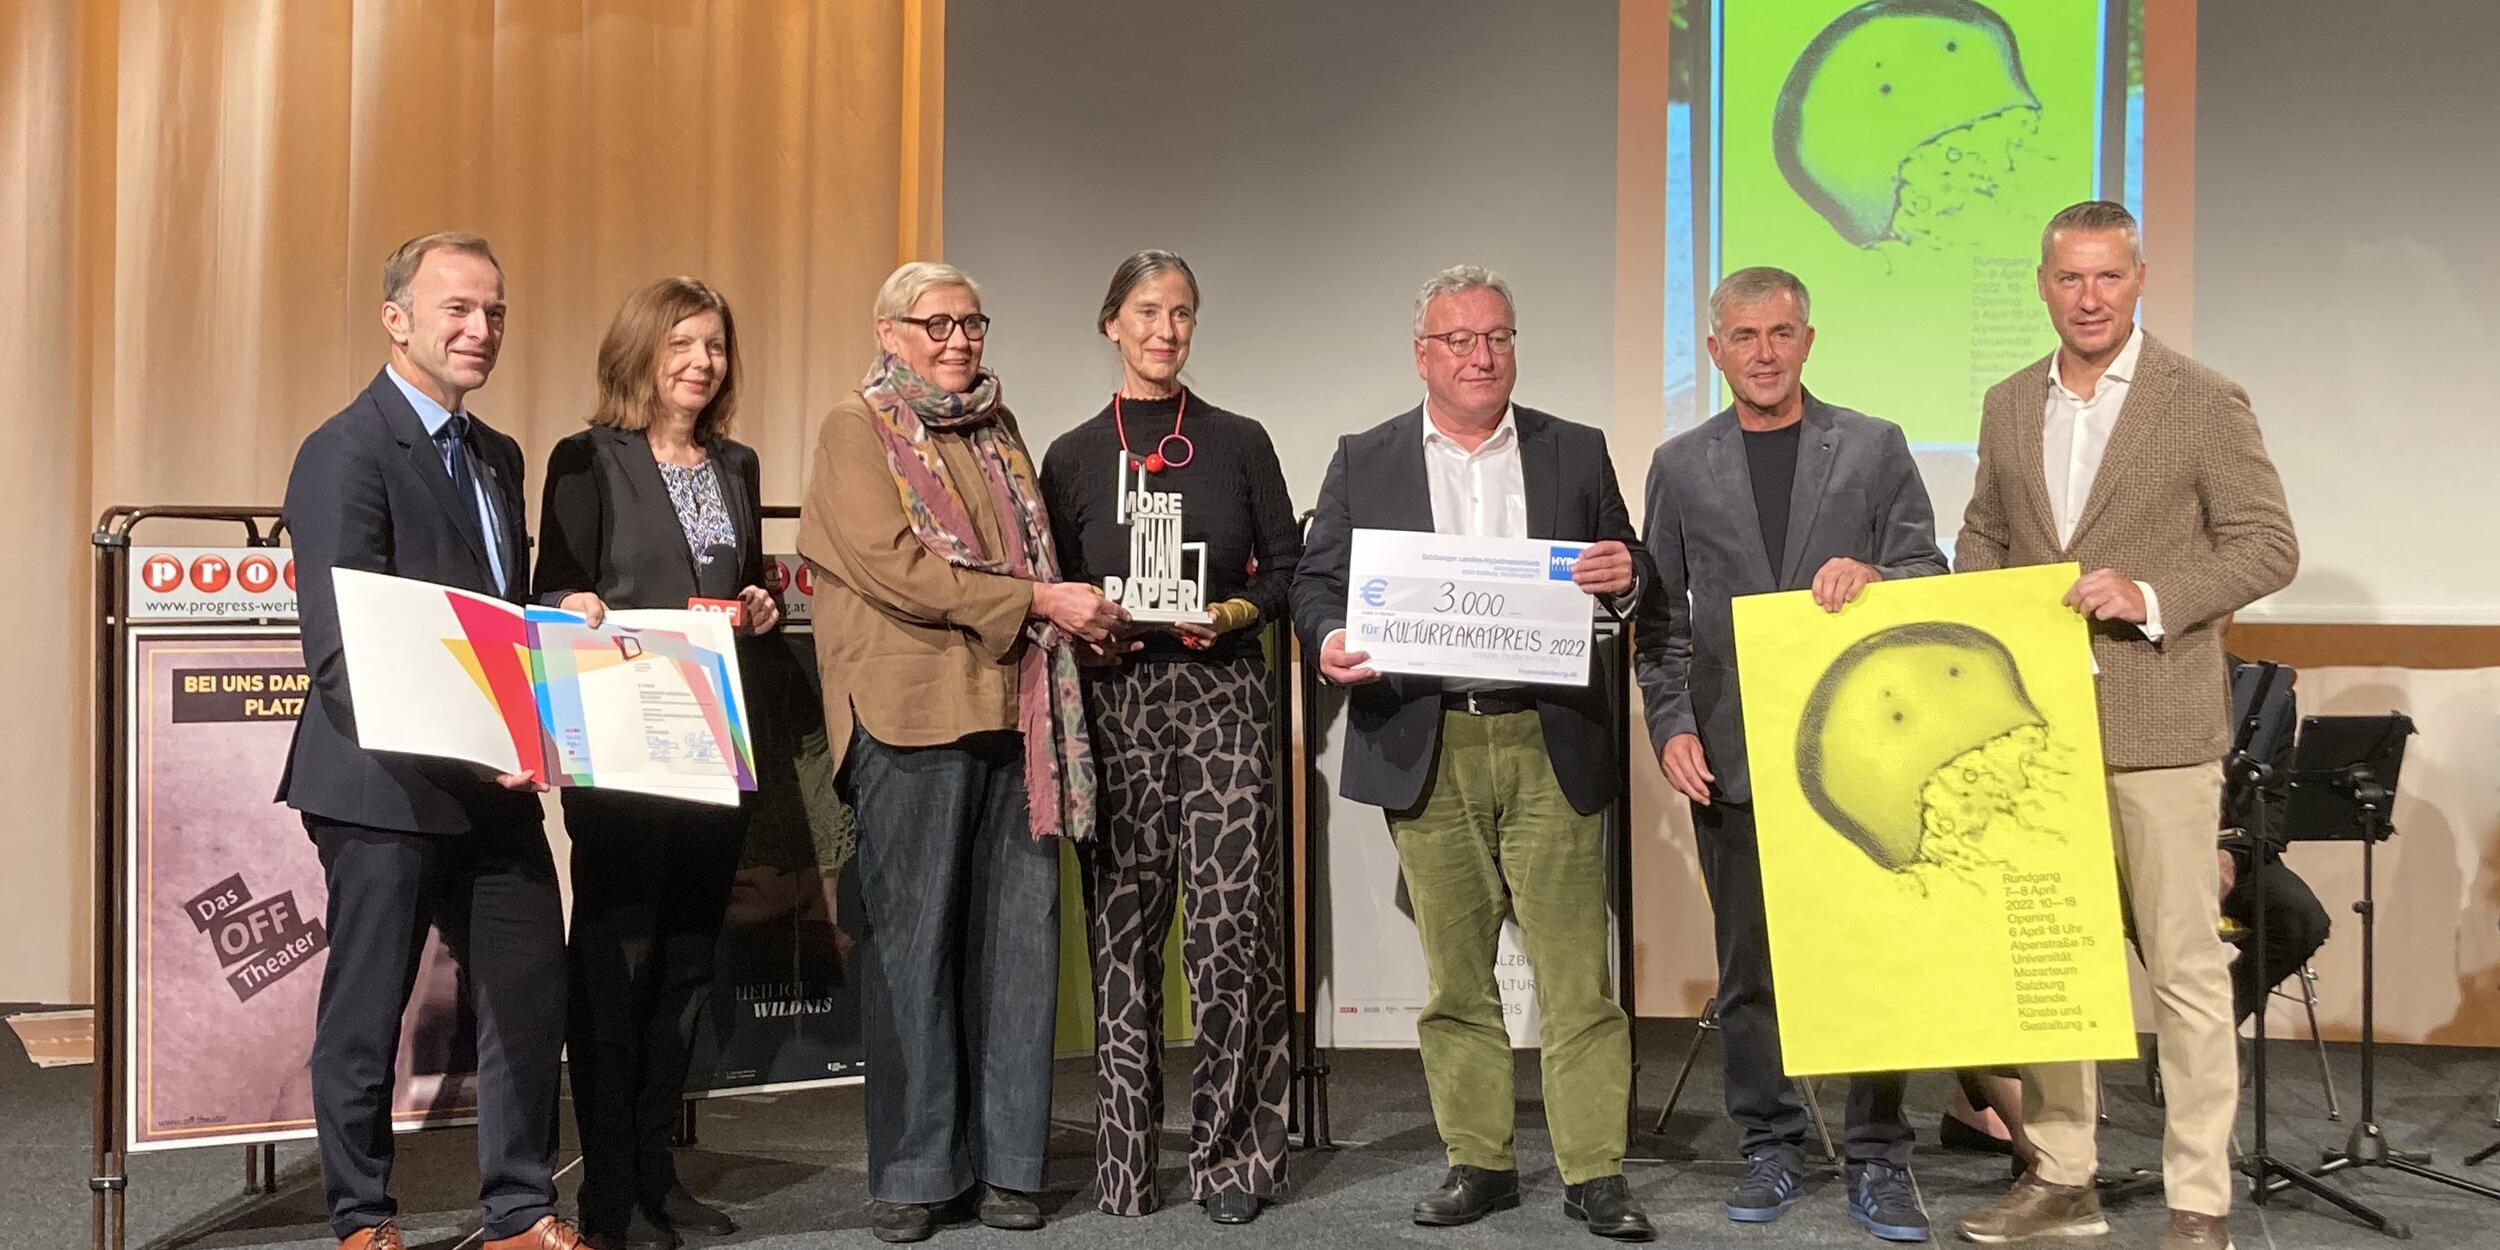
[[1050, 701]]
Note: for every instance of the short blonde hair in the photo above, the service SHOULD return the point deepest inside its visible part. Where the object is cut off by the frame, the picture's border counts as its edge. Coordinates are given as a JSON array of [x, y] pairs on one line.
[[904, 287], [400, 269], [628, 394]]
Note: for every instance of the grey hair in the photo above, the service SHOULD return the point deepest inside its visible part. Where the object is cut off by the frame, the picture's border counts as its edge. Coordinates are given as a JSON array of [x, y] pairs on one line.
[[904, 287], [1458, 278], [2093, 215], [1138, 270], [400, 269], [1760, 282]]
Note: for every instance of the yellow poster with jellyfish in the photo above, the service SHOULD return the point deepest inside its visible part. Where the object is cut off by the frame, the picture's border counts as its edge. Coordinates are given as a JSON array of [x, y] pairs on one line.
[[1937, 866]]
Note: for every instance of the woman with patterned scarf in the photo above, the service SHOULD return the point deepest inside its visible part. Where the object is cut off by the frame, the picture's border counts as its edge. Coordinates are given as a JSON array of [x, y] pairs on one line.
[[949, 651]]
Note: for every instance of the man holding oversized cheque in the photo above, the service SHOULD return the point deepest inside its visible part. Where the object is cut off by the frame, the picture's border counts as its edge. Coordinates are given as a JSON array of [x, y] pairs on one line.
[[2147, 469], [1495, 778], [1779, 492]]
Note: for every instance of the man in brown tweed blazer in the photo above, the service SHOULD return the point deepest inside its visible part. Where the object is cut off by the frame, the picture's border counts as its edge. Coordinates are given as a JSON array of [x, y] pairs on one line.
[[2147, 468]]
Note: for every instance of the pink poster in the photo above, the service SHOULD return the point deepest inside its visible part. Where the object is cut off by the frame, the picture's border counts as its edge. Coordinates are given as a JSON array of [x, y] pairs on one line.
[[226, 941]]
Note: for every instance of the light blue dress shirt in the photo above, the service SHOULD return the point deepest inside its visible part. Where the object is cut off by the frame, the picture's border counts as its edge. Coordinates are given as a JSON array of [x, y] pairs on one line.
[[435, 417]]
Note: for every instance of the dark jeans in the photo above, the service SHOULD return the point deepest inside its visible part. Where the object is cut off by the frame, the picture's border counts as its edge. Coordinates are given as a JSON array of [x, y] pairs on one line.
[[962, 960], [650, 881], [1760, 1099], [493, 893], [2296, 926]]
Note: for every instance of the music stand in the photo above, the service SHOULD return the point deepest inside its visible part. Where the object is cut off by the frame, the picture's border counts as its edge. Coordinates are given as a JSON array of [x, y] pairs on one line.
[[2264, 730], [2343, 779]]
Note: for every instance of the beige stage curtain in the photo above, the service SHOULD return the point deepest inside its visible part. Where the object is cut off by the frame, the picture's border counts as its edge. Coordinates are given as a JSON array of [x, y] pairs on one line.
[[198, 200]]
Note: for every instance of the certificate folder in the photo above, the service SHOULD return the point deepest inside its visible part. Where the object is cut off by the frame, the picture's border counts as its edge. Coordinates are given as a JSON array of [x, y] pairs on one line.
[[649, 701]]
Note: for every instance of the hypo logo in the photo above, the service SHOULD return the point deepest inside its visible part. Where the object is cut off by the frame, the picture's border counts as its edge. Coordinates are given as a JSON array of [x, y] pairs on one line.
[[1375, 592], [162, 574], [1558, 562], [290, 573], [256, 573], [776, 576], [805, 576], [209, 574]]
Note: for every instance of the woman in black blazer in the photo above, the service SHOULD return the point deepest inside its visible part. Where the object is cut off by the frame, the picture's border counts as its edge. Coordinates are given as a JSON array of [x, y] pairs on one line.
[[650, 507]]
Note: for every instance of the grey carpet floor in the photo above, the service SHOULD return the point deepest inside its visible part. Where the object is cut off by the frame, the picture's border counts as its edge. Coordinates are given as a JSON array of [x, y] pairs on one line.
[[791, 1167]]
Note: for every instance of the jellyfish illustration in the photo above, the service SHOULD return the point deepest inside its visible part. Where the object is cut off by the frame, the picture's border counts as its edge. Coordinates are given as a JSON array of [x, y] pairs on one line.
[[1920, 746], [1903, 114]]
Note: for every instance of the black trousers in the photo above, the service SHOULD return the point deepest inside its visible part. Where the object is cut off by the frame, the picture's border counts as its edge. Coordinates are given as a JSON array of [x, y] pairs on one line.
[[1765, 1107], [650, 882], [493, 893]]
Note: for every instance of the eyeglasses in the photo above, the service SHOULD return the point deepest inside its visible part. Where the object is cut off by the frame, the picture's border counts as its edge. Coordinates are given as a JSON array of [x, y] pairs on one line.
[[942, 326], [1463, 342]]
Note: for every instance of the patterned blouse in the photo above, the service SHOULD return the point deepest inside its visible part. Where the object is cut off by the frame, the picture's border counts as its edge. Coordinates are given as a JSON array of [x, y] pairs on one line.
[[700, 510]]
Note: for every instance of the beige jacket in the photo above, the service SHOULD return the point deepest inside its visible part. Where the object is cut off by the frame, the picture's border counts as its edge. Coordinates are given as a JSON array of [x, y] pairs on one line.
[[2185, 501], [919, 651]]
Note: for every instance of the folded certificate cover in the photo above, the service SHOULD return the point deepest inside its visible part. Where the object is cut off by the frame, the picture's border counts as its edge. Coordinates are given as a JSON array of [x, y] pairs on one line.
[[649, 701]]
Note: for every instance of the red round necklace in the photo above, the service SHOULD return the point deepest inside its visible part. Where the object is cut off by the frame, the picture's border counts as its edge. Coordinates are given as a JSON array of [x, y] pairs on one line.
[[1156, 461]]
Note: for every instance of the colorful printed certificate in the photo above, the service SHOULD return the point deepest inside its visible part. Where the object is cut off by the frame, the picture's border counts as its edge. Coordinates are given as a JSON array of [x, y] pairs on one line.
[[649, 701]]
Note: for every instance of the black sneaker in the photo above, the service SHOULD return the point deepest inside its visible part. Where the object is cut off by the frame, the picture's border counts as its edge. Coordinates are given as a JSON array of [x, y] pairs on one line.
[[637, 1231], [1008, 1208], [1770, 1187], [901, 1221], [1882, 1200], [1605, 1204]]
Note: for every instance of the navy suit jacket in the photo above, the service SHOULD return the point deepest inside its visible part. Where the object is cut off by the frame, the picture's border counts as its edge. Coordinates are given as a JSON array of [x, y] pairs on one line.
[[369, 491], [1378, 481]]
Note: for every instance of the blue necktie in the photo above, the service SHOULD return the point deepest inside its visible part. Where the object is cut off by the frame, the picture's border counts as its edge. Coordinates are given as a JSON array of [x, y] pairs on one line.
[[454, 438]]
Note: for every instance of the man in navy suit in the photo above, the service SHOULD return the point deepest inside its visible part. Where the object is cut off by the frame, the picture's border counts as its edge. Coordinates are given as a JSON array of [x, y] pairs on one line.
[[1493, 792], [406, 481]]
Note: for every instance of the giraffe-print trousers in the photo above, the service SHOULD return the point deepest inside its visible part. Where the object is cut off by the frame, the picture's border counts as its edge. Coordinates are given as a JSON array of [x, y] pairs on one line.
[[1188, 818]]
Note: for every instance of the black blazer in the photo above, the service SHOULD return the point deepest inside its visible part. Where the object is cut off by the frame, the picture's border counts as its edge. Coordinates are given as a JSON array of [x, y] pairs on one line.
[[608, 526], [1378, 481], [368, 491]]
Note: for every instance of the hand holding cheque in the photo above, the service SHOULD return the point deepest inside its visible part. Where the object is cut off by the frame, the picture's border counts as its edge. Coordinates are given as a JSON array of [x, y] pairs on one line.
[[645, 700], [1498, 609]]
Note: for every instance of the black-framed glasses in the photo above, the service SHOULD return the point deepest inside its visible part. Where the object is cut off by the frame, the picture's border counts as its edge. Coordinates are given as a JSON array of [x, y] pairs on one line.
[[1463, 342], [942, 326]]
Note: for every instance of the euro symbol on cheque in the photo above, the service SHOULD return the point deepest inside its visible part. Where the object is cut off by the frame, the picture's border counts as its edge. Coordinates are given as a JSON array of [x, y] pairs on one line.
[[1375, 592]]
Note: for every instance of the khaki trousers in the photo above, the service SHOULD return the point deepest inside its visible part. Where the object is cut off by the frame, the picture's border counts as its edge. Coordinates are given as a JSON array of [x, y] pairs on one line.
[[2166, 821]]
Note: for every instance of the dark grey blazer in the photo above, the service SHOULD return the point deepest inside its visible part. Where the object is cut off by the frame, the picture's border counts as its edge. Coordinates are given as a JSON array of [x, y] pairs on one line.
[[608, 527], [1378, 481], [1858, 494], [368, 491]]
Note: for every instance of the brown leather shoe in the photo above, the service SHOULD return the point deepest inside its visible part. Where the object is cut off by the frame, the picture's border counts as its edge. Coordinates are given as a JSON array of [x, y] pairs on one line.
[[2036, 1208], [549, 1233], [382, 1236], [2191, 1230]]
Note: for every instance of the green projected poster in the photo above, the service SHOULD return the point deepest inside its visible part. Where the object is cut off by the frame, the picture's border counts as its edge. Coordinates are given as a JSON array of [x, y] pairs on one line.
[[1900, 156]]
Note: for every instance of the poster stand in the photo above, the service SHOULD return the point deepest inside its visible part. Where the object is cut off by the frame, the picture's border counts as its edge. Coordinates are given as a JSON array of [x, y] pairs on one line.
[[108, 1182]]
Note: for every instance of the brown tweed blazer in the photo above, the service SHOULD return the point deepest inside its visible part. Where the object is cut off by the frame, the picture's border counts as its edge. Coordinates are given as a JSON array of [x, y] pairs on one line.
[[2185, 501]]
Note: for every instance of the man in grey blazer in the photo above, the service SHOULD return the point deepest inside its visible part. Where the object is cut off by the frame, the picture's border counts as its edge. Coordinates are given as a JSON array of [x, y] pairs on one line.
[[1493, 794], [1779, 492]]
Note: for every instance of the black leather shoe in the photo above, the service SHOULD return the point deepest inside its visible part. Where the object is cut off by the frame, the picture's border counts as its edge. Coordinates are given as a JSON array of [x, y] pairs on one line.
[[1234, 1206], [1605, 1204], [688, 1214], [1468, 1195], [1008, 1208], [901, 1221], [637, 1231]]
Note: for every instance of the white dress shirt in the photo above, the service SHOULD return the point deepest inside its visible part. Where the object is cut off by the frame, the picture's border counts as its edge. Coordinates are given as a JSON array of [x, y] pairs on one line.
[[1481, 493], [2074, 435]]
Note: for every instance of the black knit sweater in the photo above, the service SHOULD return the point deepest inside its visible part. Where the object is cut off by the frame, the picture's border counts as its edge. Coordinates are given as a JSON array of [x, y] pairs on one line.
[[1233, 499]]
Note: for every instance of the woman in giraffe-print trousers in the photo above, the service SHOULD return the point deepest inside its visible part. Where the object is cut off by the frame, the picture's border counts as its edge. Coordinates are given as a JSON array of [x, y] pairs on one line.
[[1181, 726]]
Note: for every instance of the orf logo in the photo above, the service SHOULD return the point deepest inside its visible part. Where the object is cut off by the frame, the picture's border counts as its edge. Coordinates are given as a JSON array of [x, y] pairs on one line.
[[161, 574], [209, 574], [1558, 562], [256, 574], [1375, 592]]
